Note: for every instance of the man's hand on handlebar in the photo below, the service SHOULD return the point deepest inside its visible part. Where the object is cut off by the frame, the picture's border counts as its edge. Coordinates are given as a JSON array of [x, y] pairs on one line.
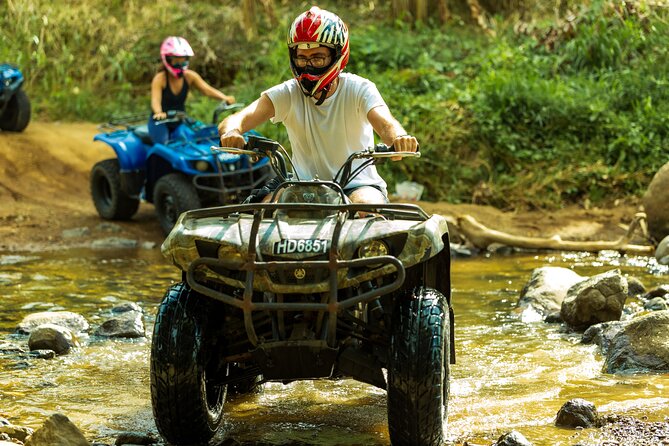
[[404, 143], [232, 138]]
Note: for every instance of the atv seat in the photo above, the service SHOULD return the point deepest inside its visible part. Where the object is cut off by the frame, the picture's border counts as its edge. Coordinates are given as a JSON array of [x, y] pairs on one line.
[[142, 132]]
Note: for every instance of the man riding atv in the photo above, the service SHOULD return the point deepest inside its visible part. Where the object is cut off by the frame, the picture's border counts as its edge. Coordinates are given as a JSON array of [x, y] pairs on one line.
[[324, 107]]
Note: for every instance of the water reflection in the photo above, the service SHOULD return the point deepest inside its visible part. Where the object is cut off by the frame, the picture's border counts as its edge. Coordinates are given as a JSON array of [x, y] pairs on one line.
[[510, 374]]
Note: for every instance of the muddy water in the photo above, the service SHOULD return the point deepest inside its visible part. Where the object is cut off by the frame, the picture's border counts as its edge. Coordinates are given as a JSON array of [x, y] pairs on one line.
[[509, 375]]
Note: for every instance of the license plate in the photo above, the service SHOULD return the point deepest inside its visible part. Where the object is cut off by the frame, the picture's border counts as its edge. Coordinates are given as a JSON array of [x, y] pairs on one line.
[[309, 246]]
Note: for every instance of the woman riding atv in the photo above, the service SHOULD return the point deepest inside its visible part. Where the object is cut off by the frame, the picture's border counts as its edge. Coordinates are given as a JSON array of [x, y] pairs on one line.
[[169, 87]]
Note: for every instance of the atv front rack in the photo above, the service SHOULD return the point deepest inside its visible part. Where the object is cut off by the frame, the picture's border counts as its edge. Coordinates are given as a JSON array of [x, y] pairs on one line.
[[330, 306]]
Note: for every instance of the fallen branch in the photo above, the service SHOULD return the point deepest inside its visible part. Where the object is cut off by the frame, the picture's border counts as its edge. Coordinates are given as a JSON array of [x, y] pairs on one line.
[[482, 237]]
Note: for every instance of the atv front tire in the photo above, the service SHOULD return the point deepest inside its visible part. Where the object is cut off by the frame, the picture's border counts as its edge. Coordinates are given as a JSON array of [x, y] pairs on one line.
[[17, 114], [110, 200], [187, 403], [418, 369], [174, 194]]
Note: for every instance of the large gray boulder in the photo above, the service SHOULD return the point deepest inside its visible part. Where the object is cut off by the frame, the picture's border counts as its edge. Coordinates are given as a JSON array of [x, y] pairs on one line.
[[544, 292], [600, 298], [75, 322], [641, 346], [656, 204]]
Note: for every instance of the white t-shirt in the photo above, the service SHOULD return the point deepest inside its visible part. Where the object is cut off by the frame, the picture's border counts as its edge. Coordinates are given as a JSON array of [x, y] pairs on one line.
[[323, 136]]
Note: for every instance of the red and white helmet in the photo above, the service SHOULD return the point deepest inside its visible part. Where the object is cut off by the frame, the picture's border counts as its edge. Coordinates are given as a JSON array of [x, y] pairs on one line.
[[175, 47], [311, 29]]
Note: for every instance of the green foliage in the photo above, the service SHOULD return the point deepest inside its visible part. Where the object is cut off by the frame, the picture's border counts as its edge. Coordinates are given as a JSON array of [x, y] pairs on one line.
[[569, 113]]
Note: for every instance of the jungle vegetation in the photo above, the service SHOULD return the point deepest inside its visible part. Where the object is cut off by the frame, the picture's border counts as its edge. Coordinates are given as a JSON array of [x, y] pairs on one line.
[[516, 103]]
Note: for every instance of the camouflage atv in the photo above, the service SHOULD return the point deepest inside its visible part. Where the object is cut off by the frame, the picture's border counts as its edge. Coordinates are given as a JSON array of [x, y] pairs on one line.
[[305, 286]]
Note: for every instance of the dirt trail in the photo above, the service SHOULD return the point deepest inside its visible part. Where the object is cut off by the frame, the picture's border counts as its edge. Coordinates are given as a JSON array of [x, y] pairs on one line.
[[44, 190]]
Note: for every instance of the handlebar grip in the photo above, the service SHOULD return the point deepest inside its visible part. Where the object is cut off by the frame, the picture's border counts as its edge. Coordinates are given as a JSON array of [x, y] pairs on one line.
[[382, 148]]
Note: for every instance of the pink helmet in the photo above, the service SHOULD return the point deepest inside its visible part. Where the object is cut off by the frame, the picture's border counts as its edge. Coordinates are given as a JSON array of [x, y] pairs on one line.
[[311, 29], [175, 47]]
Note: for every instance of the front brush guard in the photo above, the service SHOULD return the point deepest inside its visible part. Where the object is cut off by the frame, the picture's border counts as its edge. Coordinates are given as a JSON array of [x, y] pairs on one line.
[[334, 264]]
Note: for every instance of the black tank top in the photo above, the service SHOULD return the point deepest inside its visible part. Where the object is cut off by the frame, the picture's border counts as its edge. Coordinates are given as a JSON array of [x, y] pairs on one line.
[[171, 101]]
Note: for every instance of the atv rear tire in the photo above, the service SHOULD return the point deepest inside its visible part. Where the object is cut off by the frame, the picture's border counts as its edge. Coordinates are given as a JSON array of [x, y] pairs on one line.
[[418, 369], [17, 114], [111, 202], [174, 194], [187, 405]]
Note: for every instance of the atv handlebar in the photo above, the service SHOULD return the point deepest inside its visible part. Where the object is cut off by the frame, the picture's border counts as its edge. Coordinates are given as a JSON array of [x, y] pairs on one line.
[[258, 147]]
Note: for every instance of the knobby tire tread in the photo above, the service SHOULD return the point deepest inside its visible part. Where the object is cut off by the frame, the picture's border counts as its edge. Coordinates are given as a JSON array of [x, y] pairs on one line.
[[418, 372], [180, 410]]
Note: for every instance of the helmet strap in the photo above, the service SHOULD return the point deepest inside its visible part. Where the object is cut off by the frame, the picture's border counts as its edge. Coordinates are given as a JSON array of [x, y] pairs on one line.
[[324, 94]]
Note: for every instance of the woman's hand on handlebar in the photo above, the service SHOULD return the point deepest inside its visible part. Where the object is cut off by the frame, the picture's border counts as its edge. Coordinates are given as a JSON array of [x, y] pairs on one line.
[[159, 116]]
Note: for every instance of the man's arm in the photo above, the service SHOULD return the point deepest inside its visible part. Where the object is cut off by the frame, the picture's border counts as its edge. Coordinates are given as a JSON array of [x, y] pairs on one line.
[[231, 128], [390, 130]]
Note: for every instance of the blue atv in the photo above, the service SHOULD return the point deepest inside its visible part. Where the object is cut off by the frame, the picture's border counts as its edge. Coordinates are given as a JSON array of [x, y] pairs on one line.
[[14, 102], [177, 176]]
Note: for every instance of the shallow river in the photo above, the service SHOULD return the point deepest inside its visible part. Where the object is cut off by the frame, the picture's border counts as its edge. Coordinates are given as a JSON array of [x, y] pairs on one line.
[[509, 374]]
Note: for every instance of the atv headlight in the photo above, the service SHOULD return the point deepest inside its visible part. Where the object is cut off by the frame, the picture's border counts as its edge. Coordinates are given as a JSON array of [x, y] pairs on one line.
[[374, 248], [201, 165]]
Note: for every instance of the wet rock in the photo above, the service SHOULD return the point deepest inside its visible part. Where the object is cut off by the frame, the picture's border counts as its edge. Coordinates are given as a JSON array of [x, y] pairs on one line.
[[656, 204], [42, 354], [600, 298], [123, 324], [75, 322], [553, 318], [577, 413], [52, 337], [513, 438], [660, 291], [602, 334], [57, 430], [460, 251], [75, 232], [16, 432], [125, 307], [135, 438], [114, 243], [642, 346], [656, 304], [662, 251], [545, 291], [635, 287]]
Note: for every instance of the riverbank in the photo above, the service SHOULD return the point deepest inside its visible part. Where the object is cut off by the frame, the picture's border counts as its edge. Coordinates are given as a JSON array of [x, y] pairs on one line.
[[44, 191]]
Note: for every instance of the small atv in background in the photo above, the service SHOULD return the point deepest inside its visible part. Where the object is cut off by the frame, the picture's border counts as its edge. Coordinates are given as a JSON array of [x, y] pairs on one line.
[[305, 286], [177, 176], [14, 102]]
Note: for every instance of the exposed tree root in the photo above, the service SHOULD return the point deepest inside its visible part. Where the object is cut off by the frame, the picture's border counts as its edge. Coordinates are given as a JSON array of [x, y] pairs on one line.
[[482, 237]]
